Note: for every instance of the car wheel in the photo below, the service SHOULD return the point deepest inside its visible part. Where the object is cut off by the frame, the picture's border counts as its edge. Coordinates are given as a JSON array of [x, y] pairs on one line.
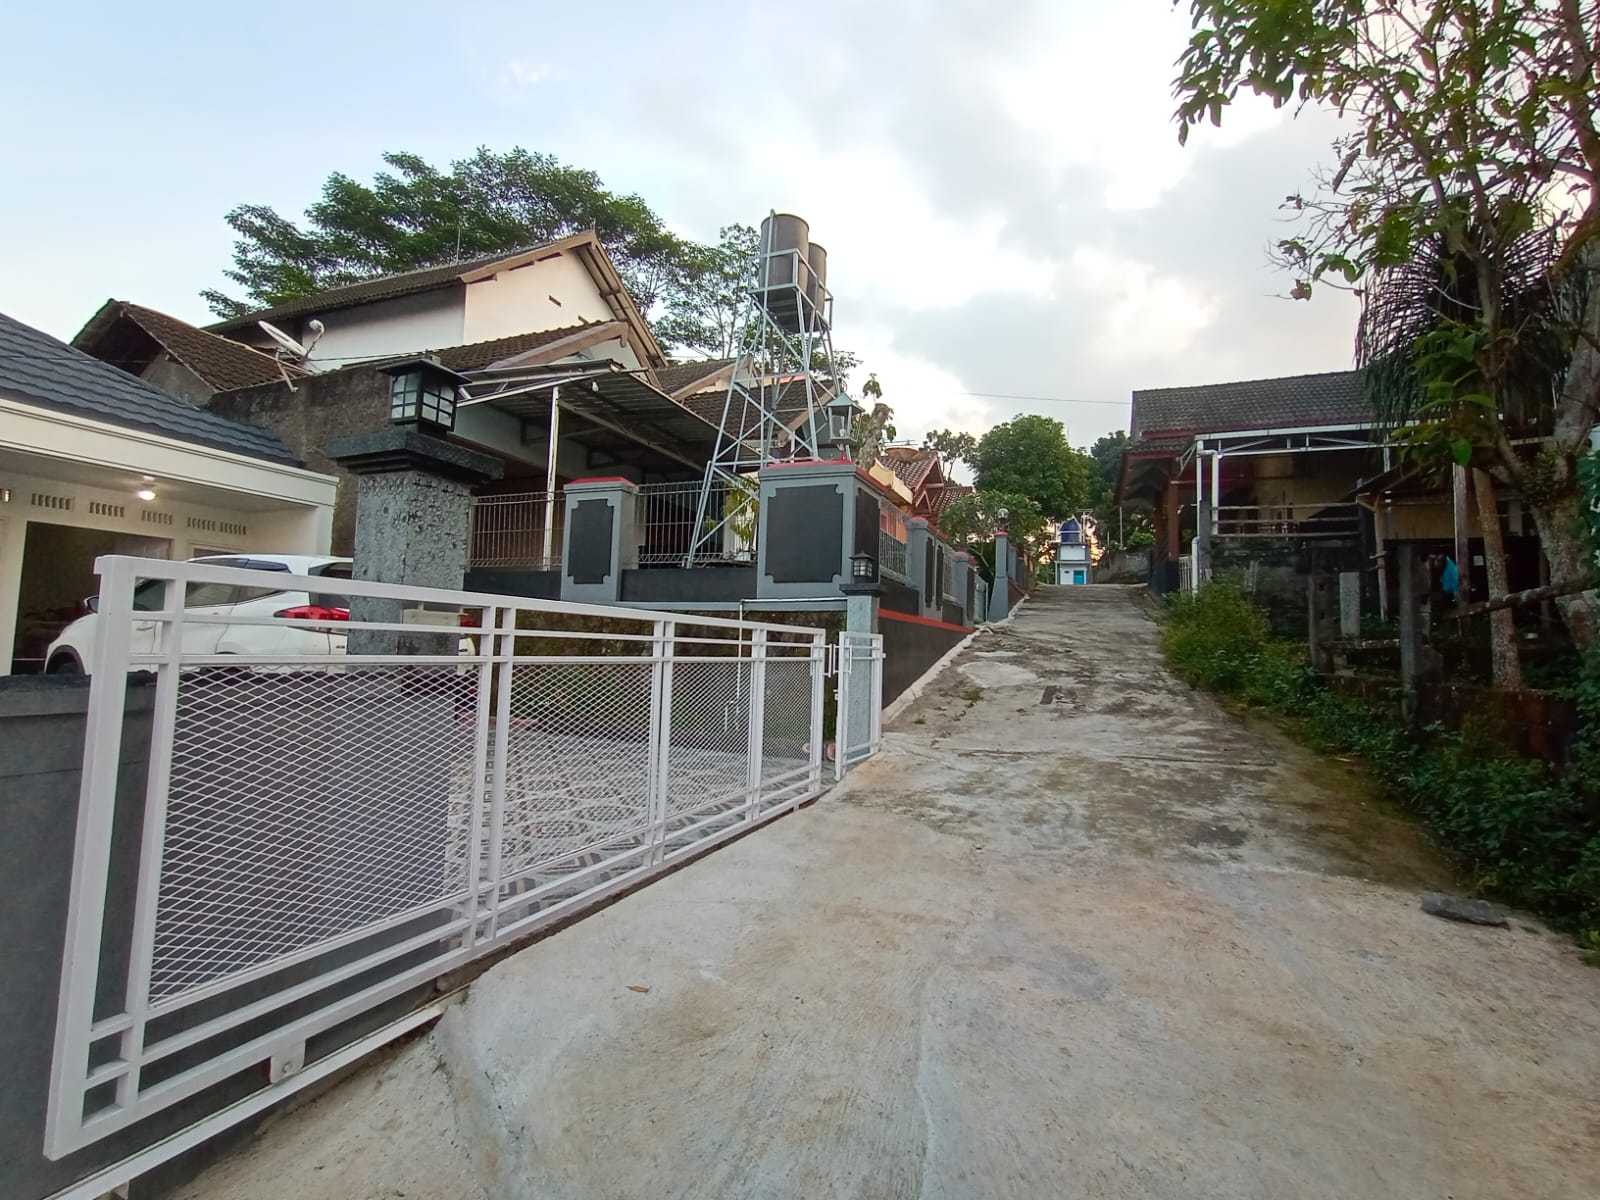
[[64, 664]]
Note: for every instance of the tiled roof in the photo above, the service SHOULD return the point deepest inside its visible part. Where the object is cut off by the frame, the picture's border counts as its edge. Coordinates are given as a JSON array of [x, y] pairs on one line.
[[384, 287], [219, 362], [911, 464], [476, 355], [790, 408], [947, 495], [1331, 398], [675, 377], [37, 369]]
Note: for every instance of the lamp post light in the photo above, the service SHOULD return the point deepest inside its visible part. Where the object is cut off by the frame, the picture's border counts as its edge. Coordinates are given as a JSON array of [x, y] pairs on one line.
[[422, 392], [843, 417]]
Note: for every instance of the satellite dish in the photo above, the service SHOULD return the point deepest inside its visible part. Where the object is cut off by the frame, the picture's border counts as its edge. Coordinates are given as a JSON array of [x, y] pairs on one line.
[[284, 340]]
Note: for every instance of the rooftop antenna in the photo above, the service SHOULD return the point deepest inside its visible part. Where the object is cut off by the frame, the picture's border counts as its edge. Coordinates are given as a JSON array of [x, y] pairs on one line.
[[783, 355], [290, 350]]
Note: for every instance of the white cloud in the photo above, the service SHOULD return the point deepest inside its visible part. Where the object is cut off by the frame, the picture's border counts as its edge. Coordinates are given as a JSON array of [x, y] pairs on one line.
[[527, 74]]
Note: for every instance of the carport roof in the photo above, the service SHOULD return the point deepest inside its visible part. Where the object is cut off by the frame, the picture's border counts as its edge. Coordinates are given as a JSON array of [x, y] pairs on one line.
[[40, 370]]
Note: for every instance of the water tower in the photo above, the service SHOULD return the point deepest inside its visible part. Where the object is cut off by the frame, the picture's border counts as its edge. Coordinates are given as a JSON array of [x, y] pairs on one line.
[[783, 376]]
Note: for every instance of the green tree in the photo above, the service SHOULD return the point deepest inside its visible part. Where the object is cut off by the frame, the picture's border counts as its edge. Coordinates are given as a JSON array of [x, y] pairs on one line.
[[707, 300], [975, 518], [953, 447], [416, 215], [1118, 526], [1462, 202], [1029, 456]]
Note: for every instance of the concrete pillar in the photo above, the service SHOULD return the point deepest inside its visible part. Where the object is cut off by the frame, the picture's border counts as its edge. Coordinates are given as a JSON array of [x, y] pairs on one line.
[[922, 564], [813, 517], [1412, 581], [600, 540], [1350, 604], [999, 591], [967, 584], [413, 525]]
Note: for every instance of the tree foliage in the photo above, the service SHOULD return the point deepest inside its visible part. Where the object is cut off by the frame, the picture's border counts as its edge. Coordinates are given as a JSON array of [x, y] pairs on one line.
[[415, 215], [976, 518], [1117, 526], [952, 446], [1461, 202], [1029, 456], [707, 298]]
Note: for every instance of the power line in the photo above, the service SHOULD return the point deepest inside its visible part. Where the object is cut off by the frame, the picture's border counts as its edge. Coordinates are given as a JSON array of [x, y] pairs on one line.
[[1045, 399]]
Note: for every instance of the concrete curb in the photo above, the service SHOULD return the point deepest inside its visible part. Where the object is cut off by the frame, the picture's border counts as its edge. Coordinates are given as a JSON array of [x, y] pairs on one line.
[[913, 693]]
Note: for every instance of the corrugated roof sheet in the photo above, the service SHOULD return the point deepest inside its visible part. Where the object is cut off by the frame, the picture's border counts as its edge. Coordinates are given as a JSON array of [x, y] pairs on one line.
[[37, 369], [1330, 398], [220, 362]]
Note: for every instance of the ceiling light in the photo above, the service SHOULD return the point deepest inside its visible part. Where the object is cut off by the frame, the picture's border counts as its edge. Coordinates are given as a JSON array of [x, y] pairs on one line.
[[147, 493]]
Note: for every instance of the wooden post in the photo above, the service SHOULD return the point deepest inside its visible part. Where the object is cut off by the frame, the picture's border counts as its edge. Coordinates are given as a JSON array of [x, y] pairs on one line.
[[1502, 623], [1462, 503], [1380, 529], [1410, 626], [1315, 608]]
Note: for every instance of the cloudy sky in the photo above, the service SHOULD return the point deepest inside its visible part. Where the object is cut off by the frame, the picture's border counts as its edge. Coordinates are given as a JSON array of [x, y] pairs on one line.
[[1005, 205]]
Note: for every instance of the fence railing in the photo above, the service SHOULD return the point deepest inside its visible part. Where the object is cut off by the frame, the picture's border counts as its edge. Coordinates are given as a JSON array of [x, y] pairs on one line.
[[950, 585], [508, 530], [667, 515], [1288, 521], [339, 806]]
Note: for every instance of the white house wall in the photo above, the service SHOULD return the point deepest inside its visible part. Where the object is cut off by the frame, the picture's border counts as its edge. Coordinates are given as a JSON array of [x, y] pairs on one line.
[[548, 293], [405, 325]]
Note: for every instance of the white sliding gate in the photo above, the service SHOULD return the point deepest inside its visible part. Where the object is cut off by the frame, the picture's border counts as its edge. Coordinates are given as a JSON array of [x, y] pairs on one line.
[[273, 843]]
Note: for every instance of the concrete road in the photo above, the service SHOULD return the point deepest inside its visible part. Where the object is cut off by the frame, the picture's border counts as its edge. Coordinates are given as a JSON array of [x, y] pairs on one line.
[[1075, 933]]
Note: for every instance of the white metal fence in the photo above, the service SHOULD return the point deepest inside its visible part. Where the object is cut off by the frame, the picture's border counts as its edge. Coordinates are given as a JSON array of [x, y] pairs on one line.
[[296, 836]]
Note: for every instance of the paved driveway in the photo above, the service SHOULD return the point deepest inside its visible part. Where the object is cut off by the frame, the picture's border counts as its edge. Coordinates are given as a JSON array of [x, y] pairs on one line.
[[1076, 933]]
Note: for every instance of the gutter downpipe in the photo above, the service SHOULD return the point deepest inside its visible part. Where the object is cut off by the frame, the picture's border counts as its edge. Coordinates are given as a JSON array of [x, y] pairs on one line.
[[550, 476]]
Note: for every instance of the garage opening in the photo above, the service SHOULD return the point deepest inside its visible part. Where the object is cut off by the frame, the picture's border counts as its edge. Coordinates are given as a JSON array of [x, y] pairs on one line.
[[57, 574]]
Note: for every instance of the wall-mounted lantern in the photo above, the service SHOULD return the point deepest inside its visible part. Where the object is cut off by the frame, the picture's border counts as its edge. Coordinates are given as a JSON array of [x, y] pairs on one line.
[[422, 392], [863, 575]]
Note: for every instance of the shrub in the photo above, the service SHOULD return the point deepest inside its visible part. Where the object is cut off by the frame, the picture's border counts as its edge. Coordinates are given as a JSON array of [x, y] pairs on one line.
[[1529, 833]]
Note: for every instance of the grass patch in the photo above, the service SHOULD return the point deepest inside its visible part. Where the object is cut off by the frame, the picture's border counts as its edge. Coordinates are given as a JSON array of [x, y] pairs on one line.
[[1528, 832]]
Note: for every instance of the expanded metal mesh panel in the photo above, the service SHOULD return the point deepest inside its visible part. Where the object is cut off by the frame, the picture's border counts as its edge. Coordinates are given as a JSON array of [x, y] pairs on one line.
[[709, 756], [786, 722], [577, 765], [302, 805]]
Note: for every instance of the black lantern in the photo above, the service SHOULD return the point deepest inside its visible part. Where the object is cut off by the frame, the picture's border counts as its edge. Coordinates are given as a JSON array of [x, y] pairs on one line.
[[863, 568], [422, 392], [842, 414]]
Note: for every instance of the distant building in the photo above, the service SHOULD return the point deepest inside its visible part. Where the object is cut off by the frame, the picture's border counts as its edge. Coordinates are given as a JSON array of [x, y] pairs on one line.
[[1074, 566]]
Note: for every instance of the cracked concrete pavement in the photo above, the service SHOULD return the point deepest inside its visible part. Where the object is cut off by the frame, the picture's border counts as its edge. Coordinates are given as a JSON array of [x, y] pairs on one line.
[[1076, 932]]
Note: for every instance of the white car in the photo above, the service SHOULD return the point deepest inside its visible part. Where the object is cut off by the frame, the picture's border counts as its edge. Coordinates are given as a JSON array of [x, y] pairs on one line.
[[73, 651]]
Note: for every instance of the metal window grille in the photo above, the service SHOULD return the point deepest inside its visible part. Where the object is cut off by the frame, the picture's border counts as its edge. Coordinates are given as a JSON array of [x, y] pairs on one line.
[[509, 530], [667, 512], [892, 537], [283, 839], [951, 582]]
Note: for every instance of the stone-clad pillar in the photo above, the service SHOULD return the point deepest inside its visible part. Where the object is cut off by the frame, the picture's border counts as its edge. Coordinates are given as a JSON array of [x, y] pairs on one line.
[[413, 525]]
